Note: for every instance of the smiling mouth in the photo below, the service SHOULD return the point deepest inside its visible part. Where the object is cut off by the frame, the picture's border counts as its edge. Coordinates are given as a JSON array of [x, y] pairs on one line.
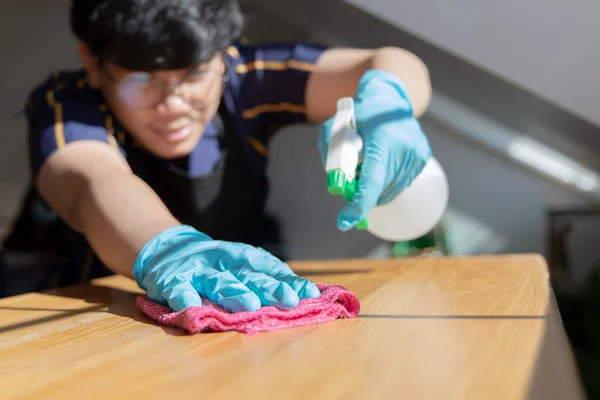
[[174, 135]]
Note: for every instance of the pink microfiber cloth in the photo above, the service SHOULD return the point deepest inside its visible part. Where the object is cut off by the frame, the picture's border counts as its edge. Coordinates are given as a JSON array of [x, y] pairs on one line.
[[334, 302]]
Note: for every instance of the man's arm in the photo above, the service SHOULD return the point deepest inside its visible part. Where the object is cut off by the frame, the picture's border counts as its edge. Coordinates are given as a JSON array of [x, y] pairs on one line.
[[338, 71], [81, 171], [92, 188]]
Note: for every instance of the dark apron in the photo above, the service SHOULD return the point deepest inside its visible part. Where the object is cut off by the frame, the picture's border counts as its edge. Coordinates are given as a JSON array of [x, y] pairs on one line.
[[227, 204]]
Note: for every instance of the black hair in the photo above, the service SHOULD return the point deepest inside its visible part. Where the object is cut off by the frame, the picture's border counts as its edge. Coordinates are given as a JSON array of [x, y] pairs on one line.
[[149, 35]]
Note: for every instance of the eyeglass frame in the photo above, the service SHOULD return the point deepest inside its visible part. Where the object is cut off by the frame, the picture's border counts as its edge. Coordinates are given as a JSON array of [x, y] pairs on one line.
[[167, 88]]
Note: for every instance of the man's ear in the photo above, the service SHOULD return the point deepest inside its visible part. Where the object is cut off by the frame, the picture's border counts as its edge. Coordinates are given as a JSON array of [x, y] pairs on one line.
[[220, 63], [90, 64]]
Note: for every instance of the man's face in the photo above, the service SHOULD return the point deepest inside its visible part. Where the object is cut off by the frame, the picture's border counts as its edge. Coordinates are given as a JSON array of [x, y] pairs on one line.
[[166, 111]]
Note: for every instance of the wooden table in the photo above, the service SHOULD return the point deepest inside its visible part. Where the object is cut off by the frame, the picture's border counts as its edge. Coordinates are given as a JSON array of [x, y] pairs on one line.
[[453, 328]]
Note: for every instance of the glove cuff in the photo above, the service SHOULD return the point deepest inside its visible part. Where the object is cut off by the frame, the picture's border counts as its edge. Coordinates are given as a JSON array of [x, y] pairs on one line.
[[157, 245], [375, 82]]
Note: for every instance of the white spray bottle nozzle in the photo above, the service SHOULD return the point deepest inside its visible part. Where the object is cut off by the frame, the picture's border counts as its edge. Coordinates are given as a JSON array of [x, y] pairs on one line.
[[344, 153]]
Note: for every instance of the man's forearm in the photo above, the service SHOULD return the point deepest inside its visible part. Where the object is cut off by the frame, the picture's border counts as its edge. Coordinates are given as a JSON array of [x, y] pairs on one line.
[[119, 216], [95, 192]]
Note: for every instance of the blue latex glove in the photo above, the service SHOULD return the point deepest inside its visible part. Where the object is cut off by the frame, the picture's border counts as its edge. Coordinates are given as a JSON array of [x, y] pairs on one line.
[[181, 263], [395, 147]]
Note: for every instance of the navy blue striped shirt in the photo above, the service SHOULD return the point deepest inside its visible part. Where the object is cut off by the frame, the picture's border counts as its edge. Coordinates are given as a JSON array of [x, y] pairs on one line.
[[265, 91]]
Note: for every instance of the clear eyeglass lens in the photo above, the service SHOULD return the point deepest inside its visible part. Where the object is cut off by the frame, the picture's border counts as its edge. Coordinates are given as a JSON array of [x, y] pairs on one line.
[[139, 90]]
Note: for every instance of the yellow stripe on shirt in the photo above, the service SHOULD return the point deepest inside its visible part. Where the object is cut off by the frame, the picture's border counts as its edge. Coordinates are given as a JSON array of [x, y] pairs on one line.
[[59, 134], [108, 122], [258, 146], [274, 66], [233, 52], [278, 107]]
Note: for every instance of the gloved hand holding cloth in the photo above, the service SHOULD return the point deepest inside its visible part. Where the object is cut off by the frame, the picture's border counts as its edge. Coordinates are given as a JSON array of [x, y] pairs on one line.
[[181, 265]]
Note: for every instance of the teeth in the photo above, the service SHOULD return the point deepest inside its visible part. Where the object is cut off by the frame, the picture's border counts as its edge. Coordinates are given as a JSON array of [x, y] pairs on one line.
[[173, 129]]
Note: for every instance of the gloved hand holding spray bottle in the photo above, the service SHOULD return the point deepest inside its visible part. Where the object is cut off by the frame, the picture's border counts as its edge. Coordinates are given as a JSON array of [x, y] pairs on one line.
[[405, 192]]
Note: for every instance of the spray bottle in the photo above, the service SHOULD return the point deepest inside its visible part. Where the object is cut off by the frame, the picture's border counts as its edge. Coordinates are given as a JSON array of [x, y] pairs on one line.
[[411, 214]]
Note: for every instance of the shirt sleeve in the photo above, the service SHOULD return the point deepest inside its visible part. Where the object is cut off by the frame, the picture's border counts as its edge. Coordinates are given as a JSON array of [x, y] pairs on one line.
[[57, 118], [271, 81]]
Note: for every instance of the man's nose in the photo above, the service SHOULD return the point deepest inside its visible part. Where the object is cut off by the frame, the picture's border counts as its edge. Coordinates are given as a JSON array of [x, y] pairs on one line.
[[173, 103]]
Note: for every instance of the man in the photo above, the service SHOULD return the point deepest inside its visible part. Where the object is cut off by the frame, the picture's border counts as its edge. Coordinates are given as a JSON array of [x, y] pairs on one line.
[[152, 158]]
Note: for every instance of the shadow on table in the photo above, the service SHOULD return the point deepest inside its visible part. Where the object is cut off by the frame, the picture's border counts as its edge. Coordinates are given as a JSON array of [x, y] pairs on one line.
[[103, 299], [121, 302], [64, 313]]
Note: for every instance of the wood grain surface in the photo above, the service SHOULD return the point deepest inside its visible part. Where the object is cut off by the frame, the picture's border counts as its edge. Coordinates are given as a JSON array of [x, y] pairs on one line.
[[429, 328]]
